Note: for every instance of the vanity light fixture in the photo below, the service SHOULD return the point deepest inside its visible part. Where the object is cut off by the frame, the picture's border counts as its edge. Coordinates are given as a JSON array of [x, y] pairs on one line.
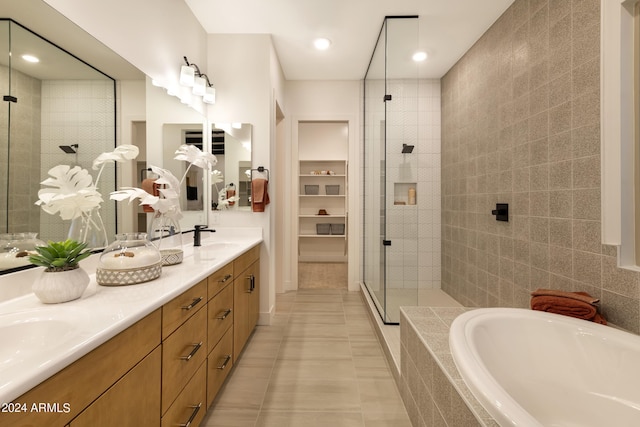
[[322, 43], [419, 56], [30, 58], [188, 73], [191, 76], [210, 95], [199, 86]]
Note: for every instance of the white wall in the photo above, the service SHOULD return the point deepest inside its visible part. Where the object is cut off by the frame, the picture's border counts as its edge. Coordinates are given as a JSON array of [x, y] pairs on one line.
[[325, 100], [153, 35], [249, 81]]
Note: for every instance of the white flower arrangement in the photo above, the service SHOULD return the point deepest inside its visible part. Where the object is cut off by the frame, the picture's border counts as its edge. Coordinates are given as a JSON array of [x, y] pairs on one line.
[[168, 203], [71, 192]]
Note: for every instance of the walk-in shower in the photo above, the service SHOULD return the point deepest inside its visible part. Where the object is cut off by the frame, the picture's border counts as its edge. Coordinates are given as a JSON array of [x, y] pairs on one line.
[[401, 172]]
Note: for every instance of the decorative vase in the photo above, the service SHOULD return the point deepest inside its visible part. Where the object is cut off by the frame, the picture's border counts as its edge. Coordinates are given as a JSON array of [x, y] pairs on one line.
[[60, 286], [89, 228], [129, 260], [164, 233]]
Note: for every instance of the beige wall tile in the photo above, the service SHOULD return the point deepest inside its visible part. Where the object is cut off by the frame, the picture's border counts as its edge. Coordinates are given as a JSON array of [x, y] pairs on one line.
[[553, 158]]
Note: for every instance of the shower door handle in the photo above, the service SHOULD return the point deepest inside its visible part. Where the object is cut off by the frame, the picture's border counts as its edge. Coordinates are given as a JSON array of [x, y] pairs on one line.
[[386, 243]]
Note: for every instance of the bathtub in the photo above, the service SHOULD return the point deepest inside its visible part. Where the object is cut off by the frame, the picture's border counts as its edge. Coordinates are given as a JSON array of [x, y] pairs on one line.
[[531, 368]]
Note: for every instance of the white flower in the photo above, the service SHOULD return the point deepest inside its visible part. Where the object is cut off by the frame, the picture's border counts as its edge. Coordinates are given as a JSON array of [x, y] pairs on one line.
[[120, 154], [168, 204], [195, 156], [72, 192], [132, 193], [216, 177]]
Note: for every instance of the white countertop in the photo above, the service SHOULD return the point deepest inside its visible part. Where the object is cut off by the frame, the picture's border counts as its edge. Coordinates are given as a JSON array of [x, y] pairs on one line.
[[63, 333]]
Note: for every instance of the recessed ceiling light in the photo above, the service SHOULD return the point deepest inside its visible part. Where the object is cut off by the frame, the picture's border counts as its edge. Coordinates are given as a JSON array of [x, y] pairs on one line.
[[30, 58], [419, 56], [322, 43]]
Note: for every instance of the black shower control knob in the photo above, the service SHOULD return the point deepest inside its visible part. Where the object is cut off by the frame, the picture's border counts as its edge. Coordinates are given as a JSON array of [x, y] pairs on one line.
[[501, 212]]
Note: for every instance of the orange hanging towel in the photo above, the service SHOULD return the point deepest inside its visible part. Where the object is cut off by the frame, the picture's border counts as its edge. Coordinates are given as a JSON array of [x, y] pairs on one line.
[[259, 194], [149, 185]]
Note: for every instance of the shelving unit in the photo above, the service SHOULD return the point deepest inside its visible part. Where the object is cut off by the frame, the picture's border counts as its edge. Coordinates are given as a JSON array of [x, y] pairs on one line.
[[329, 174]]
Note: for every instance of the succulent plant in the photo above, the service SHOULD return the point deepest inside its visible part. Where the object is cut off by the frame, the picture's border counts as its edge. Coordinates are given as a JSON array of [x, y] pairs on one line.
[[60, 256]]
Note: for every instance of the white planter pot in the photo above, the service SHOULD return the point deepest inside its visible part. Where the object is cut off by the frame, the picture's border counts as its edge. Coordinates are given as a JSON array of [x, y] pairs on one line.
[[63, 286]]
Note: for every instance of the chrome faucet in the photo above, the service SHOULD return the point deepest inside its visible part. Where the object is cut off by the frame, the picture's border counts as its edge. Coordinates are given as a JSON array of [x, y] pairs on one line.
[[196, 233]]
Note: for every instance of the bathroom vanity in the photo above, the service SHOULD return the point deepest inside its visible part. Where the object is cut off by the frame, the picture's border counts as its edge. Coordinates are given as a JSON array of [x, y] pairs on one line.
[[152, 354]]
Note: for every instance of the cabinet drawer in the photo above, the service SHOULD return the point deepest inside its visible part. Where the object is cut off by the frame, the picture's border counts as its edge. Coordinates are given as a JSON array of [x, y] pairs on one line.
[[245, 260], [220, 314], [190, 406], [182, 307], [82, 382], [133, 401], [221, 278], [219, 365], [182, 354]]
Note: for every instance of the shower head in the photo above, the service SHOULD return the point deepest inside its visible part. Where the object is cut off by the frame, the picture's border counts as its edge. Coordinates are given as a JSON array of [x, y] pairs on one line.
[[407, 148], [69, 149]]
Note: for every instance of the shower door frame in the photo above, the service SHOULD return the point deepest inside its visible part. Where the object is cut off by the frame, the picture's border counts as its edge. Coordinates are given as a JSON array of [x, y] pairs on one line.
[[384, 242]]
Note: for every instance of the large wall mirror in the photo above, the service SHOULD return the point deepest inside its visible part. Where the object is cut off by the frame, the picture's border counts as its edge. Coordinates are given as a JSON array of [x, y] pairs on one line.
[[67, 115], [56, 110], [232, 145], [58, 107]]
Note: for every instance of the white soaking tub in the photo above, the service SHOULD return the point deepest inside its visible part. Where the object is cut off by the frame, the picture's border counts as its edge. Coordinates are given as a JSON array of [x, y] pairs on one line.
[[530, 368]]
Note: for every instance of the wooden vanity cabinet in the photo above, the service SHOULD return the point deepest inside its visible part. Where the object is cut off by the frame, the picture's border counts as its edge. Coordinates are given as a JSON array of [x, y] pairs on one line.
[[221, 314], [181, 308], [220, 279], [190, 406], [182, 354], [166, 369], [246, 297], [82, 382], [134, 401]]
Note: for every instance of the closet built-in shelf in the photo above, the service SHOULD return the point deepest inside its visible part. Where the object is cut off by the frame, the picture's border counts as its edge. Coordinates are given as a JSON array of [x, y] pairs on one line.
[[314, 247]]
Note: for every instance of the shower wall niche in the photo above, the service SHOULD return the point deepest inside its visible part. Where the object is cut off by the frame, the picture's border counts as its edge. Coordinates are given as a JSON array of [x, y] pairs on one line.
[[401, 172]]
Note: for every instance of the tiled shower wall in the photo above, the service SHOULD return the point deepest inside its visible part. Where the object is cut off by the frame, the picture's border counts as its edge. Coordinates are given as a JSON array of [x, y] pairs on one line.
[[412, 117], [23, 183], [78, 112], [521, 125]]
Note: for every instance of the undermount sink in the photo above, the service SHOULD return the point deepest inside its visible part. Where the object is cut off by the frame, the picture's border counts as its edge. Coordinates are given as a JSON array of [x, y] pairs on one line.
[[208, 246], [33, 333], [212, 250]]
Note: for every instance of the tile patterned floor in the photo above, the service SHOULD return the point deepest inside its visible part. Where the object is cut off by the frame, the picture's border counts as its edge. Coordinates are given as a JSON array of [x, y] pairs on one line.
[[319, 364]]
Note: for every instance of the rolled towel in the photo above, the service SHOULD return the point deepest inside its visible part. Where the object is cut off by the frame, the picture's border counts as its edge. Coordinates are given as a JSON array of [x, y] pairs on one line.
[[580, 305]]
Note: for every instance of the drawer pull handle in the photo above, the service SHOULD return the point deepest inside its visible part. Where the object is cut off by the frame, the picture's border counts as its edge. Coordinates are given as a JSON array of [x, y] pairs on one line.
[[195, 302], [225, 278], [226, 360], [224, 315], [196, 347], [195, 408]]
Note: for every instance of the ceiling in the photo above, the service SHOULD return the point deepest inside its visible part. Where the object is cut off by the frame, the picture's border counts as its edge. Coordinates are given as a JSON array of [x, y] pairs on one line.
[[447, 29]]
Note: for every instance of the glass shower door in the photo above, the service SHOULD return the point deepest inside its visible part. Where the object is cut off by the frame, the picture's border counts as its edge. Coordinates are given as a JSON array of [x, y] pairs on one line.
[[390, 254]]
